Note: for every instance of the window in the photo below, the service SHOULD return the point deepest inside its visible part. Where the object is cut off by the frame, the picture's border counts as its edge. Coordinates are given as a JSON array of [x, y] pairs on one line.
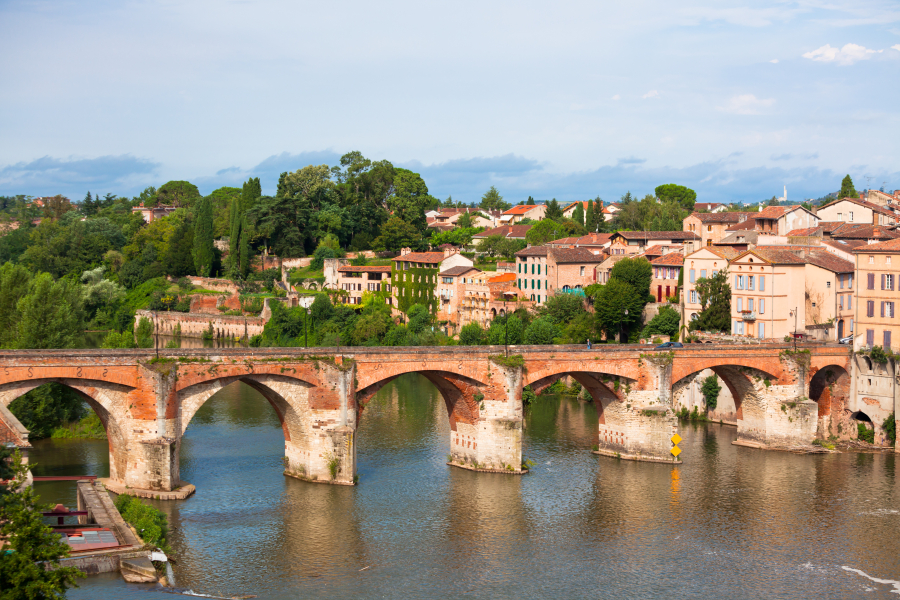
[[887, 260], [841, 302], [851, 324], [870, 308], [851, 215], [762, 330], [840, 216], [694, 299], [539, 284], [539, 269], [448, 280], [740, 327], [887, 309], [709, 227], [582, 271], [520, 267], [702, 273], [532, 268], [870, 337], [850, 281], [871, 260], [827, 284], [871, 280], [849, 301], [709, 242], [762, 283], [762, 305], [887, 340], [539, 298], [889, 282], [841, 279], [750, 304], [752, 282], [691, 275], [740, 304]]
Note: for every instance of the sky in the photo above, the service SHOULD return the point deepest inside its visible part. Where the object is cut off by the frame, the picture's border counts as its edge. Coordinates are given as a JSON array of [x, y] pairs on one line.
[[570, 100]]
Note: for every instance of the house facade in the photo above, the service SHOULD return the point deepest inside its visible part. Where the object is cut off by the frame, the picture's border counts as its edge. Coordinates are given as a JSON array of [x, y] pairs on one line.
[[878, 295], [358, 280]]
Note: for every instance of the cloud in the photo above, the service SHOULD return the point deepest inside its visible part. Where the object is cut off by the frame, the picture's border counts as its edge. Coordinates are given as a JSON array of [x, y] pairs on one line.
[[896, 47], [651, 94], [616, 97], [74, 176], [847, 55], [746, 104], [774, 61], [806, 156]]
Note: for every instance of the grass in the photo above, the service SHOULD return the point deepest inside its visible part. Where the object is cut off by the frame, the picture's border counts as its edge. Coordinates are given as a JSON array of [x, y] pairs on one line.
[[89, 428], [486, 266]]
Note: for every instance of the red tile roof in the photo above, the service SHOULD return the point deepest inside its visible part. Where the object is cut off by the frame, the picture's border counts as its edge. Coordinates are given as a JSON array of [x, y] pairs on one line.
[[657, 235], [807, 232], [865, 203], [421, 257], [670, 259], [509, 231], [888, 246], [521, 209], [722, 217], [502, 278], [772, 255], [863, 231], [827, 260], [364, 269], [576, 255], [456, 271]]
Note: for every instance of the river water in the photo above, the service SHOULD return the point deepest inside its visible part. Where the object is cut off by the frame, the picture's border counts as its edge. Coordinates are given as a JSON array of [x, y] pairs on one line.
[[730, 522]]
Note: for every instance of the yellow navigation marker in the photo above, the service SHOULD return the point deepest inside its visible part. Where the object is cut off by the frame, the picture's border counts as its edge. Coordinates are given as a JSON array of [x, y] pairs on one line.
[[675, 449], [676, 439]]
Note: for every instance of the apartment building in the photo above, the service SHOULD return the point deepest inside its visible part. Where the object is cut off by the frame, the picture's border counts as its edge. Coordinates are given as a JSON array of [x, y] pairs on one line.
[[878, 295], [535, 212], [666, 270], [698, 265], [542, 271], [711, 227], [854, 210], [486, 296], [641, 240], [448, 291], [358, 280]]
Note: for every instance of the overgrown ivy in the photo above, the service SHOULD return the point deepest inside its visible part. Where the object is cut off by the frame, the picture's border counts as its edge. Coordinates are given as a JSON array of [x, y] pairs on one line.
[[415, 285]]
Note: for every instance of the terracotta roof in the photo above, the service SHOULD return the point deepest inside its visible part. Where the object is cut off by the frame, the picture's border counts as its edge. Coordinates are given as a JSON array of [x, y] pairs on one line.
[[508, 231], [847, 245], [455, 271], [722, 217], [502, 278], [521, 209], [749, 224], [439, 225], [888, 246], [807, 232], [773, 212], [576, 255], [656, 250], [670, 259], [584, 204], [829, 226], [726, 252], [364, 269], [657, 235], [534, 251], [560, 241], [863, 231], [421, 257], [829, 261], [776, 256]]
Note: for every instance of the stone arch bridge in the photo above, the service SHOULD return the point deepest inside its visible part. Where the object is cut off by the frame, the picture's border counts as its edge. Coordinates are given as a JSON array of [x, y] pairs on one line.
[[146, 402]]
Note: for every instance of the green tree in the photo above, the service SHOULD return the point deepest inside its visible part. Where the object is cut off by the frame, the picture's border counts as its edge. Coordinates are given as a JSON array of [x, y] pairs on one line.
[[420, 318], [410, 198], [847, 189], [562, 308], [541, 331], [496, 334], [245, 249], [666, 322], [578, 213], [203, 248], [492, 200], [545, 231], [15, 281], [611, 301], [178, 260], [553, 212], [464, 221], [671, 192], [51, 315], [471, 334], [636, 272], [397, 234], [47, 407], [590, 218], [177, 193], [715, 304], [30, 546]]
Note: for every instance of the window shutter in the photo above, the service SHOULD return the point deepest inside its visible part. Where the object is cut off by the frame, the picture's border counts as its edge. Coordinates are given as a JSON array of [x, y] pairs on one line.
[[762, 283], [736, 282], [887, 340], [882, 309], [882, 281], [871, 281]]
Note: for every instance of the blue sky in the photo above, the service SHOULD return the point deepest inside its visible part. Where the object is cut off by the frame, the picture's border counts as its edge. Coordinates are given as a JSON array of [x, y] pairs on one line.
[[567, 99]]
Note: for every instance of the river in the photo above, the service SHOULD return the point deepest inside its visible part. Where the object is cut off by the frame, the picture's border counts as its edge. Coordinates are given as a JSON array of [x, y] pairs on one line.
[[730, 522]]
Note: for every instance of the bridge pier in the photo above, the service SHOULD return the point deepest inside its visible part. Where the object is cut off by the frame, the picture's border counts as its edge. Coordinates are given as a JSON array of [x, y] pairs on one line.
[[490, 439]]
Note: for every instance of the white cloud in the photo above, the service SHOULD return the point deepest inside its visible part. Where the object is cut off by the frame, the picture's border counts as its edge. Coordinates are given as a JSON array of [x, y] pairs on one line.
[[616, 97], [774, 61], [651, 94], [746, 104], [896, 47], [847, 55]]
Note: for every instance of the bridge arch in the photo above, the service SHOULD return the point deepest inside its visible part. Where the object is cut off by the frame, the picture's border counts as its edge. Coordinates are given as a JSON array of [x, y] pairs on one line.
[[105, 398], [745, 383], [604, 389]]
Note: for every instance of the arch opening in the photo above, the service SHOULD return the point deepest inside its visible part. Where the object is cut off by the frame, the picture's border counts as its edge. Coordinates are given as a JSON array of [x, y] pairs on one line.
[[603, 389]]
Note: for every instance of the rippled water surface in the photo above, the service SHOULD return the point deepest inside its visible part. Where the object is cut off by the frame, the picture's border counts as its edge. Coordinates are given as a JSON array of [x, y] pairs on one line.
[[729, 523]]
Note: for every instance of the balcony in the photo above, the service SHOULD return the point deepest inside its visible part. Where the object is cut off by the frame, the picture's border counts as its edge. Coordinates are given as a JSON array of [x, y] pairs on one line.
[[748, 315]]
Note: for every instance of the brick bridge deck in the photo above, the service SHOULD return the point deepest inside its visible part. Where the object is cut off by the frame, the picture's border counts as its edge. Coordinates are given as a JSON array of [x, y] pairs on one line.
[[320, 395]]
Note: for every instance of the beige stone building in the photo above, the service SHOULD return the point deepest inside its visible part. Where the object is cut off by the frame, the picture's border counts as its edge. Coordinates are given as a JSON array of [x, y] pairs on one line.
[[358, 280], [878, 295], [711, 227], [542, 271], [854, 210], [450, 282], [703, 263], [486, 296]]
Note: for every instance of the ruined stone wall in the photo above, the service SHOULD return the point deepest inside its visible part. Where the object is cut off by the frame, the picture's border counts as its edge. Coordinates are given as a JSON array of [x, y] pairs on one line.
[[194, 325]]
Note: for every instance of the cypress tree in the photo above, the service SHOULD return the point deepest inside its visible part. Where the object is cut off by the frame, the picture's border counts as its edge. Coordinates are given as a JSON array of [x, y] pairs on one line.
[[590, 220], [203, 238], [578, 213], [245, 249], [598, 214]]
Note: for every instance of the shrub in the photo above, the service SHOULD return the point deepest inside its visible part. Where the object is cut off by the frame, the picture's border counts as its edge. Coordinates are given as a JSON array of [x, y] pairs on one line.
[[890, 428], [150, 523], [710, 389], [864, 433]]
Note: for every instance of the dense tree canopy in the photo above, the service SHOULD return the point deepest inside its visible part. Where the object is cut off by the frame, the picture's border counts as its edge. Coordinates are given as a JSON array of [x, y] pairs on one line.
[[492, 200]]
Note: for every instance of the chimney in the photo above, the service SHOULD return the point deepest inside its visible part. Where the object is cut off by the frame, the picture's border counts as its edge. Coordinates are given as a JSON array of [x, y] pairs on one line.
[[862, 195], [405, 251], [450, 251]]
